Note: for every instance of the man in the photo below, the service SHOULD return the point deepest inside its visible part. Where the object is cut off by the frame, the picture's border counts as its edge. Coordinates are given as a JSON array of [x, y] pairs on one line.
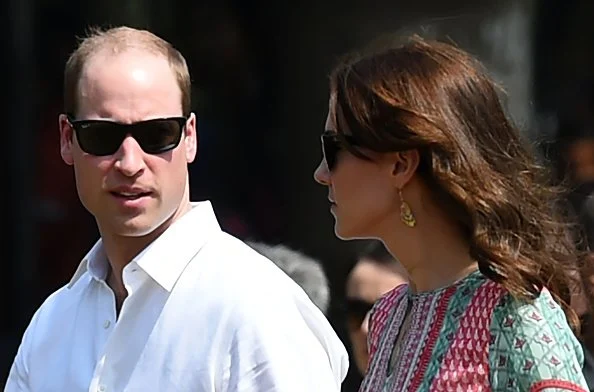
[[165, 300], [375, 273], [305, 271]]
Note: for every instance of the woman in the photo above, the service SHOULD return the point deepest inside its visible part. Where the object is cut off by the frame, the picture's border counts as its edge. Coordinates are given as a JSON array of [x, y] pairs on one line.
[[419, 153]]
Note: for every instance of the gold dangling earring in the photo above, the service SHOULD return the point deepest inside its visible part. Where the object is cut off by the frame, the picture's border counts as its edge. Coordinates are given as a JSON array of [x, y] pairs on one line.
[[406, 214]]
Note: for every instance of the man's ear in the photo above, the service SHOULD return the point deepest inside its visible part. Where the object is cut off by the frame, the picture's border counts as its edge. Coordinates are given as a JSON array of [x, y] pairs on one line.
[[191, 138], [66, 139]]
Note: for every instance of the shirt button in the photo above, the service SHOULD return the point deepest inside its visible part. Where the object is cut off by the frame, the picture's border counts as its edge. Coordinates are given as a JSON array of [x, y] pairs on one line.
[[101, 388], [106, 325]]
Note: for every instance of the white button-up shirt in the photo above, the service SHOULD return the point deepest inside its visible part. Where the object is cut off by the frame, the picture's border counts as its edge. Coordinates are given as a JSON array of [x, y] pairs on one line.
[[204, 312]]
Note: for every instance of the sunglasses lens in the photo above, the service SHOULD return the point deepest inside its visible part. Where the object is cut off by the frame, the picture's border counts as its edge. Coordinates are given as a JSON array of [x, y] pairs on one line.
[[158, 136], [330, 150], [97, 137], [357, 309]]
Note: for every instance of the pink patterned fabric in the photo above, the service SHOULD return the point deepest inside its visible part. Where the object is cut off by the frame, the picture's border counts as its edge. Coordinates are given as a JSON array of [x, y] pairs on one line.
[[472, 336], [466, 364]]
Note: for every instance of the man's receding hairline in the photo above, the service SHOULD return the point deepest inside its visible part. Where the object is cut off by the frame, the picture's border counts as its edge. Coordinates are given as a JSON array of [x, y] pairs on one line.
[[105, 53], [102, 56], [92, 60]]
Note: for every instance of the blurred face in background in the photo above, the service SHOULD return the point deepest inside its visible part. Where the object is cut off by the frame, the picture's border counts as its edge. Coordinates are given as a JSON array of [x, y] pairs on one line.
[[368, 281], [580, 155], [582, 296]]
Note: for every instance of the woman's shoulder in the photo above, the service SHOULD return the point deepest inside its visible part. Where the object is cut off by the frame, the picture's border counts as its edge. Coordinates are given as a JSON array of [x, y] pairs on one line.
[[532, 344], [516, 315]]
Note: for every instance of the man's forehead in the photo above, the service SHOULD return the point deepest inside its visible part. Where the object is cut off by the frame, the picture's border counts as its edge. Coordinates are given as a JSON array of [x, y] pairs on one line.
[[128, 83], [106, 56], [137, 66]]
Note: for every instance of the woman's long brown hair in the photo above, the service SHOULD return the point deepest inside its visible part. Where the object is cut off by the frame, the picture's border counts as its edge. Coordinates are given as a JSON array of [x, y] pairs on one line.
[[435, 97]]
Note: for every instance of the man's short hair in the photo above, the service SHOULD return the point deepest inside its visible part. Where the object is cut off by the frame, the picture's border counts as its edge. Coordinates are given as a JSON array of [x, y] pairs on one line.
[[304, 270], [115, 41]]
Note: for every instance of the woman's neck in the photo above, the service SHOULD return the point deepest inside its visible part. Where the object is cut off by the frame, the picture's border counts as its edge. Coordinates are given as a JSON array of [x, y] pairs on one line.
[[434, 254]]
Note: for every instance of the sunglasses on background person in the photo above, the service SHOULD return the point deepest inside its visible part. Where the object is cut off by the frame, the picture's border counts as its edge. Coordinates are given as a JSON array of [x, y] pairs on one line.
[[356, 310], [104, 137]]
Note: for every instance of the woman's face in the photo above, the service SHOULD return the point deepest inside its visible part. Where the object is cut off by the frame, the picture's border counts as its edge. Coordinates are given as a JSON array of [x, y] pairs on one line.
[[361, 192]]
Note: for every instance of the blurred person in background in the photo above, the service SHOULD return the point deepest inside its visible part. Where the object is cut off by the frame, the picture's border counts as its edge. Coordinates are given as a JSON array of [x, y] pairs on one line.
[[575, 140], [419, 152], [586, 300], [375, 273], [581, 302], [165, 300], [583, 299], [304, 270]]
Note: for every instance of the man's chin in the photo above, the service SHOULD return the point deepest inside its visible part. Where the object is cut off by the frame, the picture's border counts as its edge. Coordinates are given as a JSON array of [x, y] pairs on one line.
[[136, 232], [135, 227], [138, 225]]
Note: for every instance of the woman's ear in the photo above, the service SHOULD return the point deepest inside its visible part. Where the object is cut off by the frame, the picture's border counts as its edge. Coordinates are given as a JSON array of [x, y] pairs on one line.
[[404, 165]]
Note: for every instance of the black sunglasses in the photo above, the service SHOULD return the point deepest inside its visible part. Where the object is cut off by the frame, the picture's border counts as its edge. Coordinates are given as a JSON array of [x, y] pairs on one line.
[[356, 309], [103, 137], [332, 145]]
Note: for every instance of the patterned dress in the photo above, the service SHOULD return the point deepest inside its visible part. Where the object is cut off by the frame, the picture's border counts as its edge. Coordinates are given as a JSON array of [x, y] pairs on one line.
[[471, 336]]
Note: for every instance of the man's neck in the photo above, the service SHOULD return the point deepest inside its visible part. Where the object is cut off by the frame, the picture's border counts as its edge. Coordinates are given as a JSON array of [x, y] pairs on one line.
[[120, 252]]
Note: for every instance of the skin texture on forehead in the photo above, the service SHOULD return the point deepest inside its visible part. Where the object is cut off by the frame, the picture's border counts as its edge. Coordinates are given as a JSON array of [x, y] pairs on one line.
[[103, 87]]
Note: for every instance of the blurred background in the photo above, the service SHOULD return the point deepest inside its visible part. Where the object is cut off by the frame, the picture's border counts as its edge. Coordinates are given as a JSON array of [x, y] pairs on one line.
[[260, 93]]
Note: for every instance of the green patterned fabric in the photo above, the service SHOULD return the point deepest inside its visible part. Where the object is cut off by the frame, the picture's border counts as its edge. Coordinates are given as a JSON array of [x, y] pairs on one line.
[[471, 337], [530, 342]]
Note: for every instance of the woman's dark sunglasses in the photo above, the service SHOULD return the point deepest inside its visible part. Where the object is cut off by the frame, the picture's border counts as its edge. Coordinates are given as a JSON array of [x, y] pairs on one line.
[[103, 137], [332, 145]]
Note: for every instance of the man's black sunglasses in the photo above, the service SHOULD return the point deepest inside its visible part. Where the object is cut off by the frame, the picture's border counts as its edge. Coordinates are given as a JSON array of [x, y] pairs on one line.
[[104, 137], [332, 145]]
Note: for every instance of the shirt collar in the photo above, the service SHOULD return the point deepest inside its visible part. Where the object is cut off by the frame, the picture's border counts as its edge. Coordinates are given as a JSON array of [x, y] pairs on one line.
[[95, 262], [166, 257]]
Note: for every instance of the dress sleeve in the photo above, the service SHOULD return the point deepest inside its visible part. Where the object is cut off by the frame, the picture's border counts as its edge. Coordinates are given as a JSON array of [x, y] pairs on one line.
[[533, 349]]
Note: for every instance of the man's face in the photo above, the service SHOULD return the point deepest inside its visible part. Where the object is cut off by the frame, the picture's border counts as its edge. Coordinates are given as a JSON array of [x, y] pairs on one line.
[[130, 192]]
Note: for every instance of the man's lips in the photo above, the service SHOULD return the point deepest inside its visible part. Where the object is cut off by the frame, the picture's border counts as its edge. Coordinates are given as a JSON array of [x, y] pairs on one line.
[[130, 192]]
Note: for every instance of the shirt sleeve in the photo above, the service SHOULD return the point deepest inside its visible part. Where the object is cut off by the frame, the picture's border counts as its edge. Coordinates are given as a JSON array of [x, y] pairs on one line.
[[17, 377], [533, 348], [287, 346]]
